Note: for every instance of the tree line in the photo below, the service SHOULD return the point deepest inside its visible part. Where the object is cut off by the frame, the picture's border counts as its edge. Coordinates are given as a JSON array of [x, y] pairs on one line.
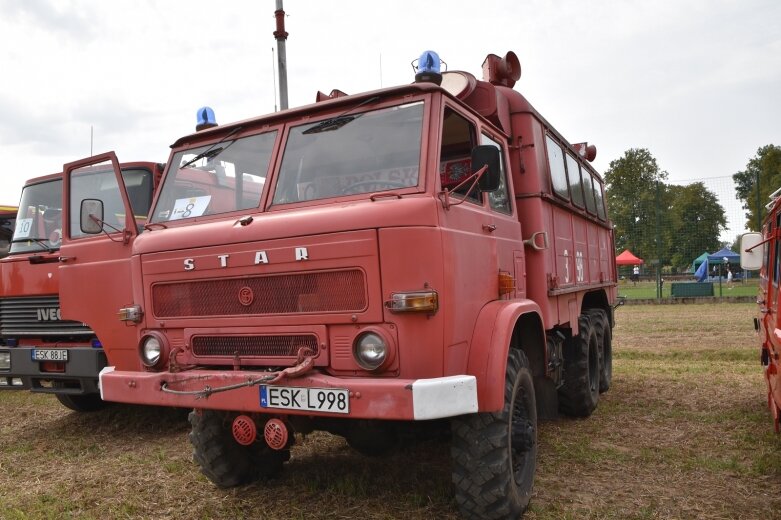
[[674, 224]]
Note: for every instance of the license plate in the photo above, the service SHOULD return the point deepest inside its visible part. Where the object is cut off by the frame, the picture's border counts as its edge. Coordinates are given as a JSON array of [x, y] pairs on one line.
[[332, 400], [50, 354]]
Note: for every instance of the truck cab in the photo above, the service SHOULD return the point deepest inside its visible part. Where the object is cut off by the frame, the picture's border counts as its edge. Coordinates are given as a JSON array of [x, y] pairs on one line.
[[46, 352]]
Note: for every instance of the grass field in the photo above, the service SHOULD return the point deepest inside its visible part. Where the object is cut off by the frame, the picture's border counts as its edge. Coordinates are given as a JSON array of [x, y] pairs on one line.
[[683, 433]]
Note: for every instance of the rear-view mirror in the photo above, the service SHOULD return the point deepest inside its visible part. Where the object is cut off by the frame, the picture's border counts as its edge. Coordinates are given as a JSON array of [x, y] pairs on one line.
[[91, 221], [751, 254]]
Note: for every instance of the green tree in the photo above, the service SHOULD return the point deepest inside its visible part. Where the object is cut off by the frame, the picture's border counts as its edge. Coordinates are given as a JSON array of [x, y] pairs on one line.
[[634, 190], [696, 221], [765, 167]]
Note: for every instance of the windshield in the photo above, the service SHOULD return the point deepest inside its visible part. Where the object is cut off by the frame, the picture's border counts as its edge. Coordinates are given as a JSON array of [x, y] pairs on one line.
[[39, 220], [100, 183], [368, 152], [214, 179]]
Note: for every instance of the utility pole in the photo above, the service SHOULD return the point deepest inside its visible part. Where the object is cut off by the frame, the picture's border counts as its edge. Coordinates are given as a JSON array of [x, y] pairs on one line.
[[281, 35]]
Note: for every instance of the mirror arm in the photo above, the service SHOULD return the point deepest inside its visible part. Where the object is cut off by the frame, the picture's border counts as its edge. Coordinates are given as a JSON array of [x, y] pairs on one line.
[[768, 239], [475, 178], [126, 235]]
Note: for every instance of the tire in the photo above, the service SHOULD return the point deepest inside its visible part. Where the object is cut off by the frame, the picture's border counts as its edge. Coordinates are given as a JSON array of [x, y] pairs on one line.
[[601, 326], [82, 402], [495, 454], [223, 460], [579, 394]]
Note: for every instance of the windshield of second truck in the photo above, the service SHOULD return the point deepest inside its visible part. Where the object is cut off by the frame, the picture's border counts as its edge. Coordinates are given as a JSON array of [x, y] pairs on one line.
[[373, 151], [39, 220]]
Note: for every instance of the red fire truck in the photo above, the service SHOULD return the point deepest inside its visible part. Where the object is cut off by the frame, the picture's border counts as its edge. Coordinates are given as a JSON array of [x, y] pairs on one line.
[[762, 252], [40, 351], [371, 262], [7, 219]]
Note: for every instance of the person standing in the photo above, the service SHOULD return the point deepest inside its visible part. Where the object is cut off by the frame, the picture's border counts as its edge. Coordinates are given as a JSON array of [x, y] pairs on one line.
[[635, 274]]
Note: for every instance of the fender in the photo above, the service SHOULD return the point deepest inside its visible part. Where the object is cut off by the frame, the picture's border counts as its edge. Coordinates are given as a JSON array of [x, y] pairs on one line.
[[490, 345]]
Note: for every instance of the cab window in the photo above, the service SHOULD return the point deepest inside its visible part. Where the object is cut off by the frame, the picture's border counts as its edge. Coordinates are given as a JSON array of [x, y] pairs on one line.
[[455, 159]]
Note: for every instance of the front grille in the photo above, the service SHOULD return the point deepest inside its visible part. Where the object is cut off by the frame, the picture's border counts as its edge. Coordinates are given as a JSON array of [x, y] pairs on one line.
[[37, 316], [260, 346], [322, 291]]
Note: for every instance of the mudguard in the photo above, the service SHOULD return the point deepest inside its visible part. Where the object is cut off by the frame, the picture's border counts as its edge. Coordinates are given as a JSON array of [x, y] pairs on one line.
[[489, 347]]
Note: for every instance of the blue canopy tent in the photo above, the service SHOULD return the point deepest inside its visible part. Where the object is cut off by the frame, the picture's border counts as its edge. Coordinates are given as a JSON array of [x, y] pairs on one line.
[[719, 257]]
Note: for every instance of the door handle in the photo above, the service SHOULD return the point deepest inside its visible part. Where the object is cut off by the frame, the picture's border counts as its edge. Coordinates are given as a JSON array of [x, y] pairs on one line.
[[489, 227]]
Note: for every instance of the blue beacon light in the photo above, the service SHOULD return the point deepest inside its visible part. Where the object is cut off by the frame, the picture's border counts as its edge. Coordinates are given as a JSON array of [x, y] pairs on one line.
[[206, 119], [428, 68]]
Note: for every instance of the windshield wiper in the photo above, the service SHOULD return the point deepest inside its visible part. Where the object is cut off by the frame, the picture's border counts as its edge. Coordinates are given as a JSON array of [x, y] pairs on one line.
[[337, 122], [38, 241], [213, 151], [209, 154]]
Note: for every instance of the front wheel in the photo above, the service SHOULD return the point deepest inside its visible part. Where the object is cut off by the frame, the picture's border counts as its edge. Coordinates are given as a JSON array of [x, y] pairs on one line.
[[82, 402], [223, 460], [495, 454]]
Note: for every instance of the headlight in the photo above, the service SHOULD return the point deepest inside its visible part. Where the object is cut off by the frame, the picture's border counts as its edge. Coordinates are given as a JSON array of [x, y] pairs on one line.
[[152, 350], [5, 361], [370, 350]]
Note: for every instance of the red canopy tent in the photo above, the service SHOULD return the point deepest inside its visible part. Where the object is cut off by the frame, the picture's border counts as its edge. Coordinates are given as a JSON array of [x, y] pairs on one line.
[[627, 258]]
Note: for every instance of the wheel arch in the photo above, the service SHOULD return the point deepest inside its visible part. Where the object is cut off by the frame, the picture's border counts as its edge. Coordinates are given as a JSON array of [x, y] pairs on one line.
[[502, 325], [598, 300]]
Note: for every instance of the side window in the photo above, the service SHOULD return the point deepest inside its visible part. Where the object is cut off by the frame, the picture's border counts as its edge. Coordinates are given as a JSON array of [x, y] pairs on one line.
[[776, 263], [588, 190], [768, 233], [558, 174], [499, 199], [575, 186], [455, 159], [600, 199]]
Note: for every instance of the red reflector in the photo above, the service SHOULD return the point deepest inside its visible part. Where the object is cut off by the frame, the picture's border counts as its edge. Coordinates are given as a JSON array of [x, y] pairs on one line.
[[52, 366]]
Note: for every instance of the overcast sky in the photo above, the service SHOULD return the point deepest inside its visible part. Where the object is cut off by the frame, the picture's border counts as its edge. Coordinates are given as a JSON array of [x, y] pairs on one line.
[[697, 82]]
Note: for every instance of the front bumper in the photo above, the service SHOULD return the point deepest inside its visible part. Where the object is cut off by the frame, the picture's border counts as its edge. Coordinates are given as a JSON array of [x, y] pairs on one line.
[[370, 398], [80, 375]]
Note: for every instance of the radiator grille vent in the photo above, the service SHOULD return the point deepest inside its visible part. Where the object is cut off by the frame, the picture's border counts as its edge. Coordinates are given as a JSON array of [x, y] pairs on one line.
[[322, 291], [259, 346]]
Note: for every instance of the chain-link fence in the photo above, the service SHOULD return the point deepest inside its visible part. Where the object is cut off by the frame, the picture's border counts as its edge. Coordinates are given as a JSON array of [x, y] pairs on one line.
[[687, 242]]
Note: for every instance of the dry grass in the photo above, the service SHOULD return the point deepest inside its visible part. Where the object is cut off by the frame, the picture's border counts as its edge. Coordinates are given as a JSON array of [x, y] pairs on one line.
[[683, 433]]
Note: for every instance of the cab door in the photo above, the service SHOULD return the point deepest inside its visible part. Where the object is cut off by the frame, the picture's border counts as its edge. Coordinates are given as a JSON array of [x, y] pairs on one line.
[[95, 268]]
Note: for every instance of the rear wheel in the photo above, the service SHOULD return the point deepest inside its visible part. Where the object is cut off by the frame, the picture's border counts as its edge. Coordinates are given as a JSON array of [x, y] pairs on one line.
[[495, 454], [223, 460], [601, 326], [579, 394]]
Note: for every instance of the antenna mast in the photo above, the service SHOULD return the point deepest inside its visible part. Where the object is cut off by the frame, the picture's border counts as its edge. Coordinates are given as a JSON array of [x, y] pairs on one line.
[[281, 36]]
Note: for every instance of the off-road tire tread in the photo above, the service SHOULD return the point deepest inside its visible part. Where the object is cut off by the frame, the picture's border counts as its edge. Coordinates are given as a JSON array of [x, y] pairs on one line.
[[224, 461], [605, 339], [576, 398], [482, 466]]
